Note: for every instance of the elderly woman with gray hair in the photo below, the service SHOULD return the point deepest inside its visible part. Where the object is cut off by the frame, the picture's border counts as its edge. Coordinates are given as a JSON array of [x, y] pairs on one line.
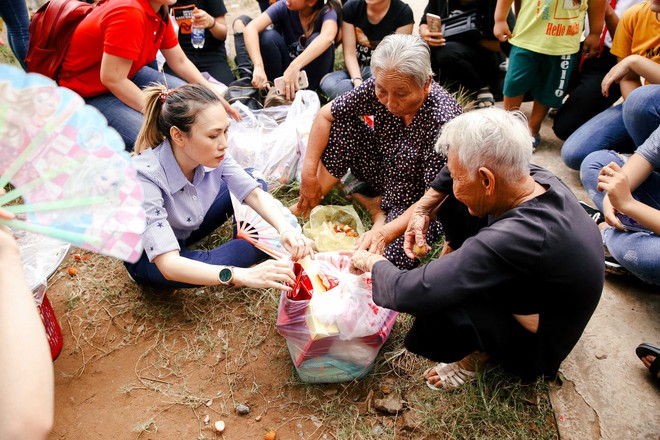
[[525, 280], [395, 157]]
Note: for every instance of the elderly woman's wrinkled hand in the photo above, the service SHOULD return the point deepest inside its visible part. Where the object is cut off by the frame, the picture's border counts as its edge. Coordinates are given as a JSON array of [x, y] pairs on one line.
[[374, 240], [310, 194], [297, 244]]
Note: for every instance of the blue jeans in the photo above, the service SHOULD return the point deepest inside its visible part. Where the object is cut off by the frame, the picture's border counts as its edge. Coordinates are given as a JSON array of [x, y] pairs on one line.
[[621, 128], [339, 82], [277, 57], [123, 118], [639, 252], [236, 252], [14, 13]]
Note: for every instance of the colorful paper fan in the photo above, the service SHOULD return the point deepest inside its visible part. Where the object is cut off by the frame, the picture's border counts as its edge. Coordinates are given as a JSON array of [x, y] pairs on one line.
[[72, 178], [251, 227]]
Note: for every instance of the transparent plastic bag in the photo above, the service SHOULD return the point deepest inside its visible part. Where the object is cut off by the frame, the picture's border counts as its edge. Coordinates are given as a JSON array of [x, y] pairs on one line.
[[325, 227], [349, 304], [302, 114], [41, 256], [261, 142], [332, 337]]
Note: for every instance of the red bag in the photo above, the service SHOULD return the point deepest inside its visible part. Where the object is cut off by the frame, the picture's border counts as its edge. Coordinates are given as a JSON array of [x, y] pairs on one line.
[[51, 30], [302, 288]]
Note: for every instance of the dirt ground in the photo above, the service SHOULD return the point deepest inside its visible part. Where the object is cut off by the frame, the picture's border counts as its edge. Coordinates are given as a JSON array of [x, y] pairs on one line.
[[138, 364]]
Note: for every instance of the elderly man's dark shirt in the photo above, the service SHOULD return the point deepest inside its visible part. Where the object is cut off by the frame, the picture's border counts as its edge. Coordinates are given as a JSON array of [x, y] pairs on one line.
[[544, 256]]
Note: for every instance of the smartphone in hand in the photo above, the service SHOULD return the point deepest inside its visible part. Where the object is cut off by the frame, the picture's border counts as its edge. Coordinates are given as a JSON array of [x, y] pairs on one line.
[[303, 83], [630, 223], [434, 22]]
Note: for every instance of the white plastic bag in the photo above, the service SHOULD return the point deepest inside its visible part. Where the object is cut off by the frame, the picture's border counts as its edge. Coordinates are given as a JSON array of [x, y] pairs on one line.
[[259, 142], [349, 305]]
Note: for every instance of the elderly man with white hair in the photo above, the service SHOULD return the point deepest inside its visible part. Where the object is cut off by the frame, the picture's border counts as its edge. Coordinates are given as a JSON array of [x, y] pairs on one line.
[[518, 282]]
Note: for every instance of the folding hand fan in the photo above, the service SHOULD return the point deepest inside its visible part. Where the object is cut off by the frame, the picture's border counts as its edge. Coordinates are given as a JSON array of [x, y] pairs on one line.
[[72, 178], [251, 227]]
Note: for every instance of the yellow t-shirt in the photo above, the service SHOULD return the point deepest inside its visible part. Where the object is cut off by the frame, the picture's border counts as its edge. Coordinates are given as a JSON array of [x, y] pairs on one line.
[[550, 27], [638, 32]]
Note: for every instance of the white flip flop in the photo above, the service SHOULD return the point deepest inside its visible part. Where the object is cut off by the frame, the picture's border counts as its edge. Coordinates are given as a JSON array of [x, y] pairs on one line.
[[451, 376]]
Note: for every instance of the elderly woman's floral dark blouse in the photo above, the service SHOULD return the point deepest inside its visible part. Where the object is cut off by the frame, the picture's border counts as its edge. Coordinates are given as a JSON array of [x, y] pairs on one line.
[[399, 161]]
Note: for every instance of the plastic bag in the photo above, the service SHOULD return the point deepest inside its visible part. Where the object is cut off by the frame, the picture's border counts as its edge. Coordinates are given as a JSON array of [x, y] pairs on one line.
[[335, 336], [261, 142], [41, 256], [302, 114], [325, 227], [348, 304]]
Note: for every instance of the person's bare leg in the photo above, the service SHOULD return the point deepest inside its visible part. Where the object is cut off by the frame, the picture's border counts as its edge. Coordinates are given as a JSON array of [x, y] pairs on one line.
[[513, 103], [473, 362], [326, 181], [539, 112], [372, 205]]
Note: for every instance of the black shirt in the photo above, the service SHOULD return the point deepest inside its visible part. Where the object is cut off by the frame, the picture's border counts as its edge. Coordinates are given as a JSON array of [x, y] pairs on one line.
[[485, 8], [543, 256], [182, 12]]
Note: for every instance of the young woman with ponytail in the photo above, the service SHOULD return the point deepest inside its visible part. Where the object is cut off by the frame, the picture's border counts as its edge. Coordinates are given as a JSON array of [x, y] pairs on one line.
[[303, 38], [187, 176]]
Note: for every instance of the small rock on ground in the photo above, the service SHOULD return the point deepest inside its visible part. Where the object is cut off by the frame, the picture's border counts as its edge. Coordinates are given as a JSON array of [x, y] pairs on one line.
[[392, 404], [242, 409]]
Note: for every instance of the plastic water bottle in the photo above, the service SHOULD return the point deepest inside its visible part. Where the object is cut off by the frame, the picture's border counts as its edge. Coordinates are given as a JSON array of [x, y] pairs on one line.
[[197, 35]]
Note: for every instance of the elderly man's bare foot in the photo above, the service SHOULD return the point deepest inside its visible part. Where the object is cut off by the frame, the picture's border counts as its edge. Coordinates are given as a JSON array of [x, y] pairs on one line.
[[372, 205], [456, 374]]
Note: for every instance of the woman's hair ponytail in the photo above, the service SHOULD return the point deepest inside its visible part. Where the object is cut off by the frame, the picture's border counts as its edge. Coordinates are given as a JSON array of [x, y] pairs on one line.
[[150, 136]]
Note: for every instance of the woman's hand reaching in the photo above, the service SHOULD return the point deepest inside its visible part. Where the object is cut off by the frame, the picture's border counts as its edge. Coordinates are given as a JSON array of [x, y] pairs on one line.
[[271, 274], [259, 78], [374, 240], [297, 244], [290, 83]]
